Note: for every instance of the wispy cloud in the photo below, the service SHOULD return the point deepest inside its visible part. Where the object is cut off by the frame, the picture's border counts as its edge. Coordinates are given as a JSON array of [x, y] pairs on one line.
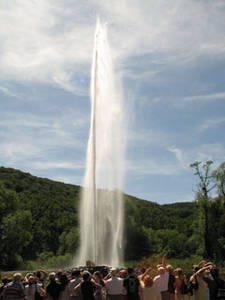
[[210, 123], [207, 97], [8, 92], [47, 165], [51, 41], [179, 156], [204, 152], [29, 137]]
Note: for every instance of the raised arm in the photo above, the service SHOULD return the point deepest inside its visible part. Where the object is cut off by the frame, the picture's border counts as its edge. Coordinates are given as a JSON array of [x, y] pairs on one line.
[[164, 260], [145, 273]]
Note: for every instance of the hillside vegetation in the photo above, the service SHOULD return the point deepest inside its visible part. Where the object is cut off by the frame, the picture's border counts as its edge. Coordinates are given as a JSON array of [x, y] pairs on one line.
[[39, 220]]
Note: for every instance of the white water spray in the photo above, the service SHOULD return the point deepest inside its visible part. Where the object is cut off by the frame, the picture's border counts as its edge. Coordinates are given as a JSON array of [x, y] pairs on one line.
[[101, 210]]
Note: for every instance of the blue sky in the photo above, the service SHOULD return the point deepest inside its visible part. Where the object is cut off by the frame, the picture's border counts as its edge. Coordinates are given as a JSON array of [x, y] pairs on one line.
[[170, 56]]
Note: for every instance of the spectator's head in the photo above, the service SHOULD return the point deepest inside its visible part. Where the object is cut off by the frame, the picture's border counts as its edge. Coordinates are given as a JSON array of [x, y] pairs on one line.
[[142, 270], [75, 273], [51, 276], [123, 274], [159, 265], [5, 280], [17, 277], [97, 275], [161, 270], [169, 268], [31, 279], [59, 273], [130, 271], [86, 276], [179, 272], [148, 282], [204, 262], [113, 272], [38, 274]]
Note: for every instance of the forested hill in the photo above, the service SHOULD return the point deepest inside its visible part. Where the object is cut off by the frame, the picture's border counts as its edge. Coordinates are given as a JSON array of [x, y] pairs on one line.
[[39, 218]]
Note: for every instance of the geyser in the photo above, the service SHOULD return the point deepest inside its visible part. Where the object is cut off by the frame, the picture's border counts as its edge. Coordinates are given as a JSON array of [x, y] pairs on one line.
[[101, 209]]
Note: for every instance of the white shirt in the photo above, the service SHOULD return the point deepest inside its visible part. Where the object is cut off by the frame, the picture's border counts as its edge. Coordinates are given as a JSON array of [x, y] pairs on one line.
[[30, 290], [114, 286], [161, 282]]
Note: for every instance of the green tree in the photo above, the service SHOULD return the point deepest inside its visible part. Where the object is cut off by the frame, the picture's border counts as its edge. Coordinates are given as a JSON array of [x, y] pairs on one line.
[[219, 178], [205, 185], [16, 236]]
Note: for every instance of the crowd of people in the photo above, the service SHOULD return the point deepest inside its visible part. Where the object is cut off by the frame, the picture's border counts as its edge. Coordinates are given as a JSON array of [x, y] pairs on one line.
[[117, 284]]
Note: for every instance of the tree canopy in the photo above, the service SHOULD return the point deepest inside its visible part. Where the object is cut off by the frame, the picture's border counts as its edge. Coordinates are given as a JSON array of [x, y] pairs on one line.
[[39, 219]]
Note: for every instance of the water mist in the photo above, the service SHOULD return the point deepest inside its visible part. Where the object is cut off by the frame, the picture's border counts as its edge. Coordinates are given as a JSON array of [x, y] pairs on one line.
[[101, 209]]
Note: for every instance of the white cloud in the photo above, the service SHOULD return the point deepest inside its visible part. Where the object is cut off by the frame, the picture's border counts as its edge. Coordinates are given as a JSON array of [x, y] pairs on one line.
[[179, 156], [207, 97], [46, 165], [12, 152], [184, 157], [51, 41], [39, 44], [204, 152], [8, 92], [31, 138], [210, 123]]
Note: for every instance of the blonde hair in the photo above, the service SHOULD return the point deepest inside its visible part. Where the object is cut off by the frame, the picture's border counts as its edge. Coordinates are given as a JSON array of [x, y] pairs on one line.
[[17, 277]]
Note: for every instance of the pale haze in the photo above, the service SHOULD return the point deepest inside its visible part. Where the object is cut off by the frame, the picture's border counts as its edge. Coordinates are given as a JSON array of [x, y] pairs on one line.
[[170, 59]]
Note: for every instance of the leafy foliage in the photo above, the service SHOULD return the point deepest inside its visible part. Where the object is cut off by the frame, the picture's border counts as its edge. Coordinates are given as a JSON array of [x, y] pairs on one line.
[[39, 221]]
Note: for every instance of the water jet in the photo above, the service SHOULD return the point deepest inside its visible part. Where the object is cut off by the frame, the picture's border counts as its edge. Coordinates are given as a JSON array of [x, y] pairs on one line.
[[101, 208]]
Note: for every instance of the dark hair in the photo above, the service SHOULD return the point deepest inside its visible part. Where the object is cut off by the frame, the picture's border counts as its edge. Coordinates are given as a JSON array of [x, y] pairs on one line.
[[86, 276], [38, 274], [196, 268], [5, 280], [130, 270], [59, 273], [75, 273], [215, 273], [98, 274]]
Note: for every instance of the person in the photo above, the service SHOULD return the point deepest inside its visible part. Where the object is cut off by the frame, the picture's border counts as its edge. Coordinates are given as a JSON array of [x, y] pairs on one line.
[[201, 289], [14, 290], [141, 272], [131, 284], [41, 277], [147, 290], [4, 284], [99, 291], [211, 279], [171, 282], [75, 280], [114, 286], [161, 282], [123, 274], [65, 291], [181, 288], [53, 288], [32, 287], [87, 287]]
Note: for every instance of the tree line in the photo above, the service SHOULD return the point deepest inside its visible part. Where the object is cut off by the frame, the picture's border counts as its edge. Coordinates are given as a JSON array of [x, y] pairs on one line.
[[39, 219]]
